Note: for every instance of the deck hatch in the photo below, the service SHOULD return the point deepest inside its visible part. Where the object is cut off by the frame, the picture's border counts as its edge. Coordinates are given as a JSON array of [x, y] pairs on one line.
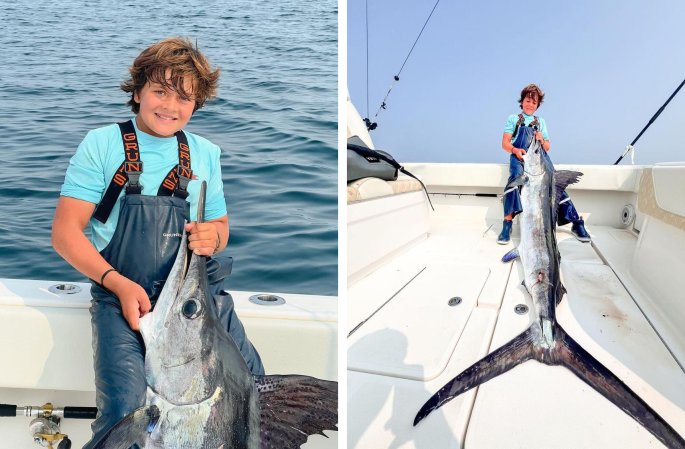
[[414, 335]]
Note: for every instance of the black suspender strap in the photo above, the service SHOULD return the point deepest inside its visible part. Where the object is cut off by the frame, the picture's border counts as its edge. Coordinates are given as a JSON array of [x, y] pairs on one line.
[[169, 184], [103, 209], [534, 124], [520, 122], [129, 171], [176, 181], [133, 166]]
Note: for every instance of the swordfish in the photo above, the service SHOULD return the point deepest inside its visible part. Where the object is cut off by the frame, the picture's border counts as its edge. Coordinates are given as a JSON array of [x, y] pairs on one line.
[[545, 340], [201, 394]]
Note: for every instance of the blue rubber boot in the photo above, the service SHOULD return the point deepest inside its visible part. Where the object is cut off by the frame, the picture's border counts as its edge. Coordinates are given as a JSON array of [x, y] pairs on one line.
[[505, 235], [579, 231]]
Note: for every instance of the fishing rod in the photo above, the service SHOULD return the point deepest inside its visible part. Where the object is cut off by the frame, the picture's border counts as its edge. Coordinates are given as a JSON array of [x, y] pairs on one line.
[[477, 194], [629, 148], [370, 126]]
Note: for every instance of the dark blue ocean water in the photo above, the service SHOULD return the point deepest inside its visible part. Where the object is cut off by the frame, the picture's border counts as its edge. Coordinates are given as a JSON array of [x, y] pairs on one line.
[[275, 119]]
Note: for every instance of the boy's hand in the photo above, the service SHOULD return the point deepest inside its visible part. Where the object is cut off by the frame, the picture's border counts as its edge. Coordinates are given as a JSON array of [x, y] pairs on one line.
[[132, 297], [203, 239], [539, 137], [518, 152]]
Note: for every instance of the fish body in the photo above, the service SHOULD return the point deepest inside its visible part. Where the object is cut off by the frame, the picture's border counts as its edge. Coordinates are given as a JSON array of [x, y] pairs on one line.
[[539, 243], [201, 393], [545, 340]]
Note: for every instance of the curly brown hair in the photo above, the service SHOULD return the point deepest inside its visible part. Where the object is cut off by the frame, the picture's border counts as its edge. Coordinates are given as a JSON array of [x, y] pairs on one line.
[[169, 62], [532, 91]]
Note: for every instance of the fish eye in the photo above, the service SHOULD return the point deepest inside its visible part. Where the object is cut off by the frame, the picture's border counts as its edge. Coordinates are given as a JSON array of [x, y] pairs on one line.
[[537, 150], [191, 309]]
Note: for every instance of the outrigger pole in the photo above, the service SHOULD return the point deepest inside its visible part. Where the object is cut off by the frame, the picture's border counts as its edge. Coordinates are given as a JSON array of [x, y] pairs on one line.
[[370, 126], [629, 148]]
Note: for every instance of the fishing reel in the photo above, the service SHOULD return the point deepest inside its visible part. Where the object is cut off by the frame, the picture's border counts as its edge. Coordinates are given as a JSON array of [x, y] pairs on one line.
[[45, 427], [46, 432]]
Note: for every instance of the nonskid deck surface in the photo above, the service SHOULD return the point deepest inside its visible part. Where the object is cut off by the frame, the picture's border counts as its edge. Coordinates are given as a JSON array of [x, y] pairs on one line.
[[410, 342]]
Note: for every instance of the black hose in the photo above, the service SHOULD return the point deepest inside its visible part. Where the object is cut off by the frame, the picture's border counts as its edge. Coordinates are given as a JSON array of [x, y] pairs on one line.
[[80, 412], [8, 410]]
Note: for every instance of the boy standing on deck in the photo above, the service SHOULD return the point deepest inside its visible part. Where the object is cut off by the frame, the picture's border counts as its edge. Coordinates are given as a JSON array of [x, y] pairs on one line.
[[518, 135], [135, 184]]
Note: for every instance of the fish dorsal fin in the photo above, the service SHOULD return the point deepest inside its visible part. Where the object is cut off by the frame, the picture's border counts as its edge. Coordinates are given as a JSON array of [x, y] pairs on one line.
[[511, 255], [294, 407], [563, 179]]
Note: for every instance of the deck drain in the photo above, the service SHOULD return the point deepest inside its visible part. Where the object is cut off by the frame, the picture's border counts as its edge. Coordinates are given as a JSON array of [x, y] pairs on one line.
[[267, 300], [627, 215], [454, 301], [64, 289], [521, 309]]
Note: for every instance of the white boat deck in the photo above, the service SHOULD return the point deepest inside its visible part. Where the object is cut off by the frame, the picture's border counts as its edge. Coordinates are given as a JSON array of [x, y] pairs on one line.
[[406, 342]]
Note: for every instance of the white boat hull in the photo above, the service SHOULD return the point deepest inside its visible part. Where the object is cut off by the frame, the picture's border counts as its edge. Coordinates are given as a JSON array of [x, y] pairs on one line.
[[47, 355]]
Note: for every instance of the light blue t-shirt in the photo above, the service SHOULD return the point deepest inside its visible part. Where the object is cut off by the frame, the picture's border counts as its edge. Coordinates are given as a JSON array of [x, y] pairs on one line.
[[514, 118], [101, 153]]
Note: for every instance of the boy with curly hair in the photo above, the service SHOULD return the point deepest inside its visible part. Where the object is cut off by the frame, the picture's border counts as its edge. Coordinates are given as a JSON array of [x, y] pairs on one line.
[[519, 132], [134, 185]]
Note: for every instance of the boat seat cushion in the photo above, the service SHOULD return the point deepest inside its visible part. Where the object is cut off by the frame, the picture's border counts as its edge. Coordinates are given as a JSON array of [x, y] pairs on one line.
[[368, 188], [659, 194]]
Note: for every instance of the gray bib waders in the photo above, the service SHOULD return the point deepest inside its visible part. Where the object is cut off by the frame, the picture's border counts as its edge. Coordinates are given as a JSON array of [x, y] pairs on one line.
[[512, 200], [143, 248]]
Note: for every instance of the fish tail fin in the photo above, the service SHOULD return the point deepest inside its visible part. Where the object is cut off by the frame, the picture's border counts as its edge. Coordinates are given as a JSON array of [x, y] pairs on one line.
[[516, 351], [571, 355], [293, 407]]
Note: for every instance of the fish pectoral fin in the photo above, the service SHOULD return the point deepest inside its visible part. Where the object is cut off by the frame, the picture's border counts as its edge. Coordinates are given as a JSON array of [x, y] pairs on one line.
[[517, 182], [132, 429], [571, 355], [294, 407], [511, 255], [516, 351]]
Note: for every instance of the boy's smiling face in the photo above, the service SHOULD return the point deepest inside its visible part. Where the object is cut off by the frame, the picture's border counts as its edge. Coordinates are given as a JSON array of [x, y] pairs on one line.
[[162, 110], [529, 104]]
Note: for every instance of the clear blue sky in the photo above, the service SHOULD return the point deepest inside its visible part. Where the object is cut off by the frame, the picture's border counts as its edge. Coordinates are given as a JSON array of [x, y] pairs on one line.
[[606, 67]]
